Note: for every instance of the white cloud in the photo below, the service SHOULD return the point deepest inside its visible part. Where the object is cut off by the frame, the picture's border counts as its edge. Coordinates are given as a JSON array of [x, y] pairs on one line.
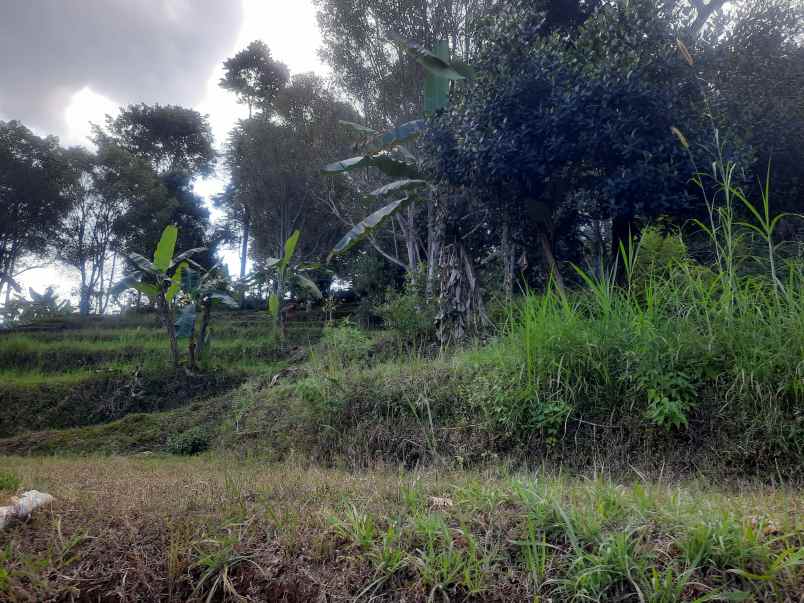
[[86, 107]]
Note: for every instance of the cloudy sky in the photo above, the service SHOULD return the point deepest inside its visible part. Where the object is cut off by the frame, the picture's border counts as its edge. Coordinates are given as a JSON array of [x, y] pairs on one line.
[[66, 63]]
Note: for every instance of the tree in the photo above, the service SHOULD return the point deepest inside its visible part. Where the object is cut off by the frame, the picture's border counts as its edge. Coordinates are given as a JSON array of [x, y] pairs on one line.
[[173, 139], [754, 58], [384, 81], [274, 167], [575, 130], [255, 77], [177, 145], [34, 180], [87, 237], [162, 280]]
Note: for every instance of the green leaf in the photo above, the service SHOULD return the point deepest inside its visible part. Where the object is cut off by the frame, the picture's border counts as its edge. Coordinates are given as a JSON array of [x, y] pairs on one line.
[[176, 282], [306, 283], [357, 127], [388, 165], [142, 263], [433, 63], [190, 280], [397, 136], [436, 89], [224, 298], [347, 165], [186, 256], [185, 324], [126, 283], [399, 186], [165, 248], [290, 249], [147, 289], [308, 266], [365, 228], [273, 305]]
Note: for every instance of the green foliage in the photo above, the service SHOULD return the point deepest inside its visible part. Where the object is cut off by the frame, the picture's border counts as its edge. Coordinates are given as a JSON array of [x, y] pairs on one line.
[[377, 147], [9, 482], [161, 280], [41, 306], [408, 314], [192, 441], [344, 344], [657, 257]]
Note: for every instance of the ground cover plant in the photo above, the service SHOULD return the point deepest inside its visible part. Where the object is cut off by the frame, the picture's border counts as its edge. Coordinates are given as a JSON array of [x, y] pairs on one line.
[[244, 530]]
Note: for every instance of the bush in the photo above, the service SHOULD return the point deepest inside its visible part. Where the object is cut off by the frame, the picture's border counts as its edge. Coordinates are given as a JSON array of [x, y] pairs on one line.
[[185, 443], [408, 314], [344, 344]]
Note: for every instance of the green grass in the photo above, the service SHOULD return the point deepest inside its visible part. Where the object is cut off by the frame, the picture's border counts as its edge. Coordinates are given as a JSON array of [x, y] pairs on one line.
[[258, 530]]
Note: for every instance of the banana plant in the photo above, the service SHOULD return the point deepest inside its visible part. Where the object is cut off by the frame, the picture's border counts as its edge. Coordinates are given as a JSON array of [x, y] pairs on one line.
[[160, 280], [388, 151], [203, 290], [280, 273]]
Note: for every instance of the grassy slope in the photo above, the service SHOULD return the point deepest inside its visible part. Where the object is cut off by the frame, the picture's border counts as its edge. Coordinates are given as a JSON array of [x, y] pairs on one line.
[[96, 372], [167, 528]]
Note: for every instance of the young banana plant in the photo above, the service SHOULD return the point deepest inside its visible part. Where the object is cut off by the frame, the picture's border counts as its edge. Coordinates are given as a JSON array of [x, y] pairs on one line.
[[388, 151], [160, 280], [203, 289], [281, 273]]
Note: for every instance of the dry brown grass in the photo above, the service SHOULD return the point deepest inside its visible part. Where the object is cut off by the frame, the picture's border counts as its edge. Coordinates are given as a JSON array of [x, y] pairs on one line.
[[151, 528]]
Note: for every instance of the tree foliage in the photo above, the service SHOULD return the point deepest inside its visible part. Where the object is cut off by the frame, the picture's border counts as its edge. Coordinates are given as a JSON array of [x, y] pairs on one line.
[[34, 178], [255, 77]]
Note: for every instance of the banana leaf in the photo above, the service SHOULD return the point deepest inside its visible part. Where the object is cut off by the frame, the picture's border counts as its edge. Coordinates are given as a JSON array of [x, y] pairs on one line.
[[368, 226], [399, 186], [164, 249], [185, 324]]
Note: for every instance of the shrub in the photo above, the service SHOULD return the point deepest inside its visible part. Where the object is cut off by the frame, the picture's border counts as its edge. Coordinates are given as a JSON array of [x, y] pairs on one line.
[[344, 344], [185, 443], [409, 315], [9, 482]]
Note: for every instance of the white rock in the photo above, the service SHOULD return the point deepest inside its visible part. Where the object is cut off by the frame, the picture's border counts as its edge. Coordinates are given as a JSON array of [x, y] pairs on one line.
[[22, 507]]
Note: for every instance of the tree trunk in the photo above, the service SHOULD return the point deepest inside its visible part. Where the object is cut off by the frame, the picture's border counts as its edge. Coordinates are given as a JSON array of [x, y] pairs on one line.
[[550, 260], [461, 309], [107, 297], [84, 294], [163, 308], [202, 334], [507, 251], [436, 229], [244, 252]]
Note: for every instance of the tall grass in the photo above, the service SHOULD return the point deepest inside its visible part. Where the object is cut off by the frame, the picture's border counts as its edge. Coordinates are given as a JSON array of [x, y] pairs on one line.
[[721, 345]]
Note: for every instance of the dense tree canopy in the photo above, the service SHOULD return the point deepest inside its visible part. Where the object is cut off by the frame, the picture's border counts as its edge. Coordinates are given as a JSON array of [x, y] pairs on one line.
[[255, 77], [34, 178], [172, 139]]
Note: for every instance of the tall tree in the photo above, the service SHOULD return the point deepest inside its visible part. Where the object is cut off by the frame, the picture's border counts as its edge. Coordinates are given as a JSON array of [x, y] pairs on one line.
[[173, 139], [34, 179], [255, 77], [86, 239], [177, 143], [275, 168]]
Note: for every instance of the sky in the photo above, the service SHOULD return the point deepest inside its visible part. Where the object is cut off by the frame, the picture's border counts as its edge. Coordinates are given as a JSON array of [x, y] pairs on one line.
[[64, 64]]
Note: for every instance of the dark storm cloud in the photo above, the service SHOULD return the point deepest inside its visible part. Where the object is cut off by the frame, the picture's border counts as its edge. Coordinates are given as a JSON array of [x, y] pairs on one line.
[[129, 50]]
